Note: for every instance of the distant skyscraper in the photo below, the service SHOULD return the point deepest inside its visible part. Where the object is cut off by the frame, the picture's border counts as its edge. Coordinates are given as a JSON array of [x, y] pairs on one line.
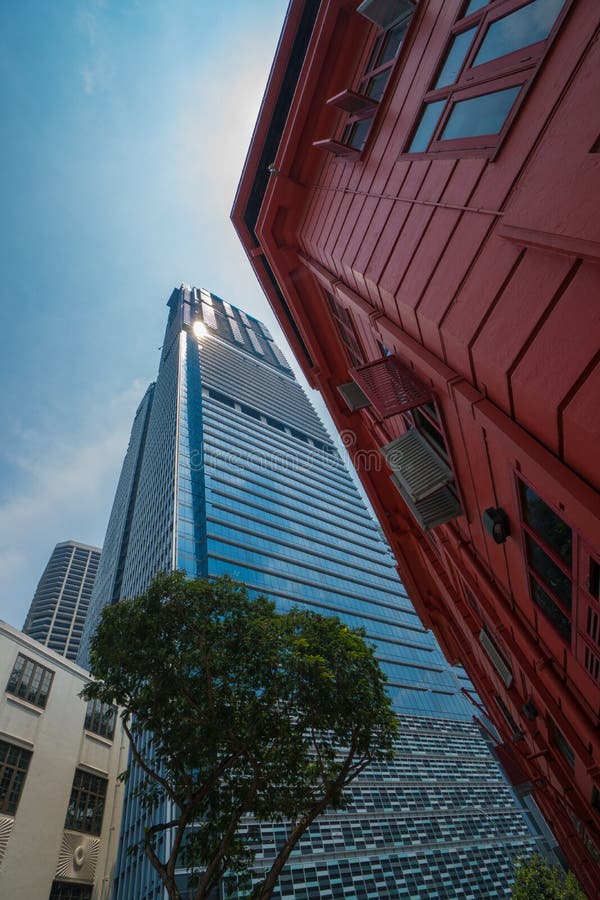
[[229, 470], [60, 603]]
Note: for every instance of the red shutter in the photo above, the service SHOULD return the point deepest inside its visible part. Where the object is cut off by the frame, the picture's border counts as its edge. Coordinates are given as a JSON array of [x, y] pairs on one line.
[[353, 103], [336, 147], [513, 769], [391, 386]]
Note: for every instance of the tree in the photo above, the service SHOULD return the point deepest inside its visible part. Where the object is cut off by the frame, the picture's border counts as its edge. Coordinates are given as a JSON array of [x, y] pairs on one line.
[[231, 708], [536, 879]]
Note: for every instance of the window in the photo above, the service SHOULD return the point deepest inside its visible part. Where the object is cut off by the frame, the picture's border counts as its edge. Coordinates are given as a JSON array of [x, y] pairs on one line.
[[30, 681], [548, 544], [363, 103], [426, 418], [86, 805], [65, 890], [14, 762], [517, 733], [565, 749], [494, 50], [100, 718], [554, 552], [346, 330]]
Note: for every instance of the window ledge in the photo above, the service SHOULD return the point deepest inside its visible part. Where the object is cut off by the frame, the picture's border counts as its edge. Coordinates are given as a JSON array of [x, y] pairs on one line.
[[106, 742], [18, 701]]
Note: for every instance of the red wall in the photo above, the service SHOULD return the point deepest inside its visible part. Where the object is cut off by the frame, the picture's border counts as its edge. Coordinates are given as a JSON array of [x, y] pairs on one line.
[[481, 273]]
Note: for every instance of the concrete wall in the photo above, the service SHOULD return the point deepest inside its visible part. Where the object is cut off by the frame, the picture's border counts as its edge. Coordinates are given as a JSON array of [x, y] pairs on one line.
[[35, 841]]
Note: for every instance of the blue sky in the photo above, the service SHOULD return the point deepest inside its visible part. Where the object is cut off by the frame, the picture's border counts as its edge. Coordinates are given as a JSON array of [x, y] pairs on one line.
[[125, 126]]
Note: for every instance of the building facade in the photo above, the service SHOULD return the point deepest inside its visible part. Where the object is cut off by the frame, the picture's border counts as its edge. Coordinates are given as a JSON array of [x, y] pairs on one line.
[[60, 801], [59, 607], [418, 203], [239, 477]]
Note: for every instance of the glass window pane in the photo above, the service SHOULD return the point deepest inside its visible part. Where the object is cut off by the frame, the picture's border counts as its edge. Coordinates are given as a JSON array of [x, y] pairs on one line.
[[480, 115], [358, 134], [376, 85], [474, 5], [551, 610], [528, 25], [393, 42], [455, 57], [427, 125], [556, 580], [547, 524]]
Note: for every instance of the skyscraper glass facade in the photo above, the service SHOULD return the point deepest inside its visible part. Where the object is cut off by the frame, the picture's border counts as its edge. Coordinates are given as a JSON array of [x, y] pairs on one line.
[[60, 604], [237, 475]]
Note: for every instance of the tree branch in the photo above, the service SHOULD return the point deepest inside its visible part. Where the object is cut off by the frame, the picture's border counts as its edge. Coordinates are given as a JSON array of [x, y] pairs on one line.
[[152, 773]]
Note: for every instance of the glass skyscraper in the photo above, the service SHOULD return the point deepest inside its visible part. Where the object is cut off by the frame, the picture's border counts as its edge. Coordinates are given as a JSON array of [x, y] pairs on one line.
[[60, 604], [229, 470]]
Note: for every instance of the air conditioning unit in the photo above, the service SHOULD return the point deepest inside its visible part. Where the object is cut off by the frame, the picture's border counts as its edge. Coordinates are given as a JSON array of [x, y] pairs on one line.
[[354, 397], [498, 663], [386, 13]]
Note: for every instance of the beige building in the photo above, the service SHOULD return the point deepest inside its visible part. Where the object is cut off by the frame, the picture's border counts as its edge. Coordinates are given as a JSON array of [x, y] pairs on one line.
[[60, 801]]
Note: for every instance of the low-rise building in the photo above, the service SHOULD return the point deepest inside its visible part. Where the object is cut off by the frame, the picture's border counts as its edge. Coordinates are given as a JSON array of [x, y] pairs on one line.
[[60, 800]]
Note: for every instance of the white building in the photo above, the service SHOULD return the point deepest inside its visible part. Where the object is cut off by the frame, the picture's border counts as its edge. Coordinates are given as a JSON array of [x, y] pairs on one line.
[[60, 801]]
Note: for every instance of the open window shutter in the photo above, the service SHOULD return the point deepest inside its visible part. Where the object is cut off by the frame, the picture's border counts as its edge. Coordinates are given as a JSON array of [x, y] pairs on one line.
[[337, 148], [354, 397], [354, 103], [391, 386], [386, 13], [434, 510], [417, 467], [588, 639]]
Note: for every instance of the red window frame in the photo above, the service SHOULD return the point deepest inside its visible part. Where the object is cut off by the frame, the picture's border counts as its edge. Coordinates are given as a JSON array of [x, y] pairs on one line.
[[510, 70], [346, 330], [346, 144], [584, 576]]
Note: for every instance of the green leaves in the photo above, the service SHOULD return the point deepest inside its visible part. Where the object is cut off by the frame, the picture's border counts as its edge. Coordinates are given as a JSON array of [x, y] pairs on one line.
[[250, 711], [535, 879]]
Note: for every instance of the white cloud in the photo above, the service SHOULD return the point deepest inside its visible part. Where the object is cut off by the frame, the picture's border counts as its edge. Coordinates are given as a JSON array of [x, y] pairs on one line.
[[67, 491]]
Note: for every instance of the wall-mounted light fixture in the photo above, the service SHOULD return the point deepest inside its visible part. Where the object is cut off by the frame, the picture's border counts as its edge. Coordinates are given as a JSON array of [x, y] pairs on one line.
[[495, 522]]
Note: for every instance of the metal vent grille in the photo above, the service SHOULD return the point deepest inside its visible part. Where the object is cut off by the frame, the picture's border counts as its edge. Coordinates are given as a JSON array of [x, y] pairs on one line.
[[6, 824], [78, 857], [591, 659], [354, 397], [255, 342], [433, 510], [265, 331], [208, 315], [417, 467], [386, 13], [391, 386], [500, 666], [279, 356], [236, 331], [228, 309]]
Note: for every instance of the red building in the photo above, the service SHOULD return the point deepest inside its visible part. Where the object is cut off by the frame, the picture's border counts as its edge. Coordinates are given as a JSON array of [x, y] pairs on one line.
[[420, 204]]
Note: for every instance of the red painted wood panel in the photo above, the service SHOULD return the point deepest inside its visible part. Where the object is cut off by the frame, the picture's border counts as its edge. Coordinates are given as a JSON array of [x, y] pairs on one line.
[[462, 249], [514, 318], [581, 441], [463, 318], [563, 347], [563, 159]]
